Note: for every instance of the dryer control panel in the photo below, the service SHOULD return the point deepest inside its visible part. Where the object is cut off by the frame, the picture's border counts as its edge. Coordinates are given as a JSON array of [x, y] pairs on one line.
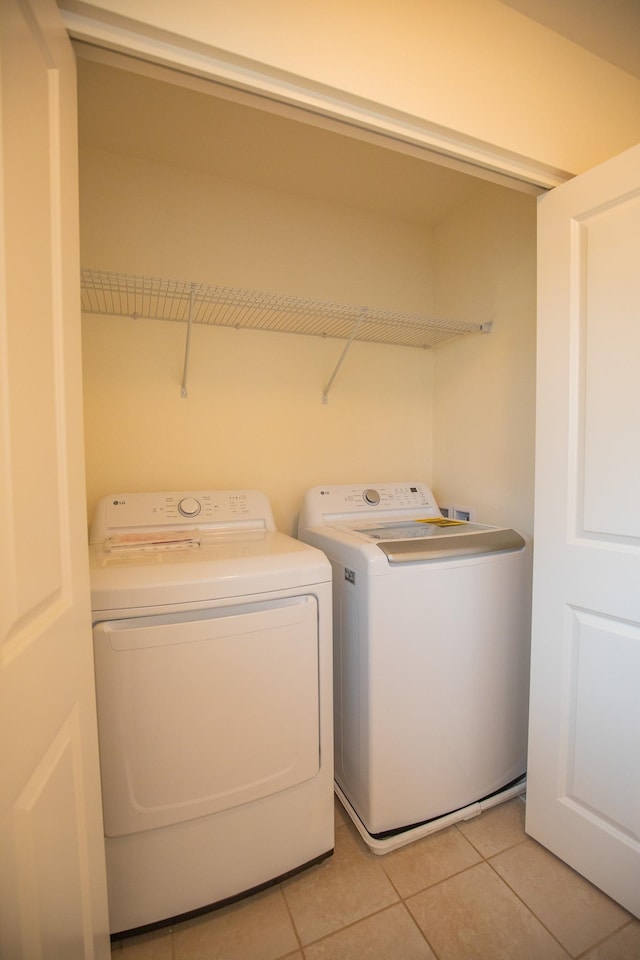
[[204, 509]]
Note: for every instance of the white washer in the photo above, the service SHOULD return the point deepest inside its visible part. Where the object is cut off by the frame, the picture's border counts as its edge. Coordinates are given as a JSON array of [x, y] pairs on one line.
[[212, 639], [431, 658]]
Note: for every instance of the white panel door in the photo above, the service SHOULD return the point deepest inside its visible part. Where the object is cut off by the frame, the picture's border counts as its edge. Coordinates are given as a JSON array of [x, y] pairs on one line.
[[583, 798], [52, 875]]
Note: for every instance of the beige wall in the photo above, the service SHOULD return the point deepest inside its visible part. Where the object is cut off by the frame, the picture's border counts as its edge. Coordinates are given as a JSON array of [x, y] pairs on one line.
[[165, 221], [484, 387], [254, 416], [474, 66], [460, 417]]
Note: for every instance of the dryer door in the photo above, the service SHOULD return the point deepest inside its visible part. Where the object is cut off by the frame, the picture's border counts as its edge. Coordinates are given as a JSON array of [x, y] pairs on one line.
[[204, 711]]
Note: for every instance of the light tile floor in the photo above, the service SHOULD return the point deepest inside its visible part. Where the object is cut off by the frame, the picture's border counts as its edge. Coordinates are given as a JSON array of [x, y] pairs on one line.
[[480, 890]]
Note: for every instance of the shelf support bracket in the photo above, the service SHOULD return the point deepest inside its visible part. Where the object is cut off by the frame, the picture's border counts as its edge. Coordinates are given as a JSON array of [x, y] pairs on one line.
[[325, 395], [187, 347]]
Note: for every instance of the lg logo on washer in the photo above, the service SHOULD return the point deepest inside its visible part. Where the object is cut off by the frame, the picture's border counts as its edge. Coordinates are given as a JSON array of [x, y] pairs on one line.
[[119, 503]]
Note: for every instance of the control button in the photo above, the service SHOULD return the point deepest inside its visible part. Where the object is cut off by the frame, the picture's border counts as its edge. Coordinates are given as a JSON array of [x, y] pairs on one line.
[[189, 507], [371, 496]]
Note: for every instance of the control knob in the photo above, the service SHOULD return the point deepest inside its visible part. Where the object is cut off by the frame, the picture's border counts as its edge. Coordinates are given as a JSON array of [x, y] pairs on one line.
[[189, 507], [372, 497]]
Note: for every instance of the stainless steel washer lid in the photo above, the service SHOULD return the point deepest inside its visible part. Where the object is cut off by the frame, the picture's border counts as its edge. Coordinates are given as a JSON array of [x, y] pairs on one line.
[[466, 544], [343, 521]]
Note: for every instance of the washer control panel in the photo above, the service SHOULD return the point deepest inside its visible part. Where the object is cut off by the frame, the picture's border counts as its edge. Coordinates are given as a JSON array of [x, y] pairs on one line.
[[343, 501], [119, 513]]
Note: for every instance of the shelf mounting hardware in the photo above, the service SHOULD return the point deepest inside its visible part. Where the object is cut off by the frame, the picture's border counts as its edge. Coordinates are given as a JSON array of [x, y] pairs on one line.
[[347, 346], [187, 347]]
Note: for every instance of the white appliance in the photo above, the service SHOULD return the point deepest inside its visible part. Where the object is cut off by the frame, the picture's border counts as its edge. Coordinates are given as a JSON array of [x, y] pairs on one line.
[[212, 638], [431, 658]]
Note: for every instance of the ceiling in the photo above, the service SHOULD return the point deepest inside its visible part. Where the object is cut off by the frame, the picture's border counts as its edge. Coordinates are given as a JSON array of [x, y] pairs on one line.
[[145, 117], [610, 29]]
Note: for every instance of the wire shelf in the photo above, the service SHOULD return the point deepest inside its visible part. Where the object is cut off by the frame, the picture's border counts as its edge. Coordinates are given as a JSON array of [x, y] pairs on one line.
[[128, 295]]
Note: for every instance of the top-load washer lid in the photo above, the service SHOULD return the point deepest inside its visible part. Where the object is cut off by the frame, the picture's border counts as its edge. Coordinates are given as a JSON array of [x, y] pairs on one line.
[[395, 522], [162, 549], [437, 538]]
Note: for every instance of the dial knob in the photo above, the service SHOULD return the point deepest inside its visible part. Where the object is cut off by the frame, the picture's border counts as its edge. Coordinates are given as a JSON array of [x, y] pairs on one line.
[[189, 507], [372, 497]]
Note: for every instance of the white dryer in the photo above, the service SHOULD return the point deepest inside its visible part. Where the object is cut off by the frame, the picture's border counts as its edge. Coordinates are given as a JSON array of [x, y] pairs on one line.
[[212, 639], [431, 658]]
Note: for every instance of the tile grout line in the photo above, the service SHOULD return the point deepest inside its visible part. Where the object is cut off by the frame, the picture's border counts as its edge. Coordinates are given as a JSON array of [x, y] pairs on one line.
[[349, 925], [354, 923], [595, 946], [587, 949], [401, 899], [293, 922], [421, 932], [527, 907]]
